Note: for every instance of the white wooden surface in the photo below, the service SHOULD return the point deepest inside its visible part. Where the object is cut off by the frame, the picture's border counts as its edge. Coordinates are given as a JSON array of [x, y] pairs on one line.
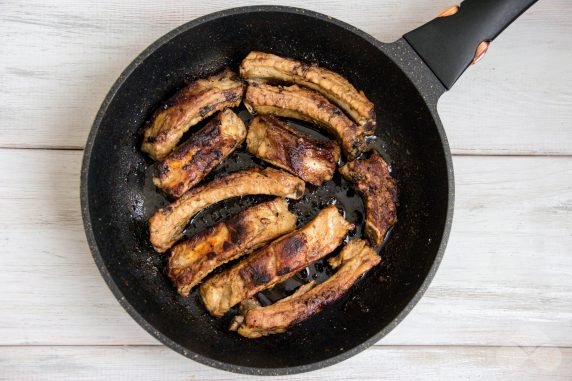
[[388, 363], [60, 59], [500, 306]]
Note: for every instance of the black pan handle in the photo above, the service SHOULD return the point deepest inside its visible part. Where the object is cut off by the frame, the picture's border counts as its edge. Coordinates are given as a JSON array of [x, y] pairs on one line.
[[461, 34]]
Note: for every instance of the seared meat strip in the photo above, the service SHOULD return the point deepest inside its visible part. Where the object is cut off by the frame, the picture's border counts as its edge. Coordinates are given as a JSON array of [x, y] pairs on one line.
[[167, 224], [269, 67], [255, 321], [189, 163], [274, 141], [197, 101], [379, 191], [300, 103], [276, 262], [195, 258]]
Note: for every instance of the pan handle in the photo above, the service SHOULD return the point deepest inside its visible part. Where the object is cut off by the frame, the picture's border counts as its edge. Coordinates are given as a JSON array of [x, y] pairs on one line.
[[460, 35]]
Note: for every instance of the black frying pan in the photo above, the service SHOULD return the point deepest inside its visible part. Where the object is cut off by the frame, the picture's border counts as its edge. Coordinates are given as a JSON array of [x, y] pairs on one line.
[[404, 79]]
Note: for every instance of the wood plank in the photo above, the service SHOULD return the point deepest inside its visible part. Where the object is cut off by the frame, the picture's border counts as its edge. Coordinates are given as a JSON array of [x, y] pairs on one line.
[[387, 363], [58, 61], [505, 279]]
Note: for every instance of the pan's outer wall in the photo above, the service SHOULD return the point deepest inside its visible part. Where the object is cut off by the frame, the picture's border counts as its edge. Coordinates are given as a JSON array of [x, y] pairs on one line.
[[405, 92]]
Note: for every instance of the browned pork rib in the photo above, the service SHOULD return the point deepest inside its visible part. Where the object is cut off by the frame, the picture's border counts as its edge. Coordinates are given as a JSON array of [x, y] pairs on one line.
[[197, 101], [167, 224], [195, 258], [276, 262], [269, 67], [379, 191], [300, 103], [274, 141], [255, 321], [190, 162]]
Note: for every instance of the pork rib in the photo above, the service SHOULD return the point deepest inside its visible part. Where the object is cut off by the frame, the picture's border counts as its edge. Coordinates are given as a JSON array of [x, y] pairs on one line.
[[274, 141], [195, 258], [190, 162], [167, 224], [196, 102], [379, 191]]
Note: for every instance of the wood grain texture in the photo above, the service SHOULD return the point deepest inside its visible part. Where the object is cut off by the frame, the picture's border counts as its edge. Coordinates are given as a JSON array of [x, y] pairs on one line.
[[387, 363], [505, 279], [58, 59]]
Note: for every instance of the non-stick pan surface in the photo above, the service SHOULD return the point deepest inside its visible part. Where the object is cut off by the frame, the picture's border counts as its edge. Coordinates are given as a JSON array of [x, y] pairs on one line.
[[118, 196]]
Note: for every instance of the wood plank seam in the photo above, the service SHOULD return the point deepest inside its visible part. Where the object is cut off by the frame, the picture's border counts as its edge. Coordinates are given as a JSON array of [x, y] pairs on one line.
[[456, 154]]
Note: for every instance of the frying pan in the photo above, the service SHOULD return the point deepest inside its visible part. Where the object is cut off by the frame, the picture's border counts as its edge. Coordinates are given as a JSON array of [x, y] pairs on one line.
[[404, 79]]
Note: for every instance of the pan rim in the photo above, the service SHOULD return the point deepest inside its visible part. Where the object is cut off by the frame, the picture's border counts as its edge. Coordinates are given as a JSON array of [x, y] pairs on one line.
[[94, 249]]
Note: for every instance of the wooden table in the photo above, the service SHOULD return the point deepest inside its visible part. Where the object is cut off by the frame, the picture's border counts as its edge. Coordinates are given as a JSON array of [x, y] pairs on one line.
[[501, 304]]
